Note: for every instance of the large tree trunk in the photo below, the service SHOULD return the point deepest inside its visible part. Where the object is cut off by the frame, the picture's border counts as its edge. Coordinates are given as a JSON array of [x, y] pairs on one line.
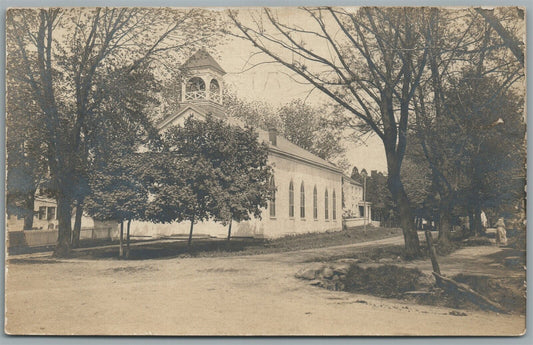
[[28, 214], [121, 240], [64, 214], [471, 231], [478, 227], [128, 239], [190, 232], [77, 226], [444, 222], [410, 235]]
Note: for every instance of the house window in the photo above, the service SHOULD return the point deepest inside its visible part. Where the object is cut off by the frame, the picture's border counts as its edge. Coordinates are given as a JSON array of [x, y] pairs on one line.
[[315, 208], [51, 214], [326, 208], [334, 206], [272, 204], [291, 200], [302, 201], [42, 212]]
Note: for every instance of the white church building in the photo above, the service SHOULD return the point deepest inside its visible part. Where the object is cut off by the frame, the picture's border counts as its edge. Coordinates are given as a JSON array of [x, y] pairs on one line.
[[309, 190], [308, 195]]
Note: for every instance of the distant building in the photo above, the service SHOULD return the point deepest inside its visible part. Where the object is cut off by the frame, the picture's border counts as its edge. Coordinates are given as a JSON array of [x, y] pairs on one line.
[[355, 208]]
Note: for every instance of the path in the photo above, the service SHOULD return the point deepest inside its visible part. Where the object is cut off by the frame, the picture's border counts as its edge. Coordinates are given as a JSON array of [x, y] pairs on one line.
[[242, 295]]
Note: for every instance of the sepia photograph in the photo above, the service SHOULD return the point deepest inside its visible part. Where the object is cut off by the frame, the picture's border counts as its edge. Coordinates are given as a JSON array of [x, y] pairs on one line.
[[265, 171]]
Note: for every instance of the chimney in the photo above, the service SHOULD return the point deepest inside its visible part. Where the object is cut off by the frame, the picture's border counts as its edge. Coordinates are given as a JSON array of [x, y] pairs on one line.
[[272, 135]]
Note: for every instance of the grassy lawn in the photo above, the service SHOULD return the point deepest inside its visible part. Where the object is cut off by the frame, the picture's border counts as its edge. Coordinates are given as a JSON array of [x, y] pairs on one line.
[[202, 247]]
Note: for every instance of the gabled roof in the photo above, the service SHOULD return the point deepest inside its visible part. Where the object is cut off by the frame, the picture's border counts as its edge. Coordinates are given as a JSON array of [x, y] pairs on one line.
[[200, 110], [288, 149], [202, 59], [351, 180], [283, 146]]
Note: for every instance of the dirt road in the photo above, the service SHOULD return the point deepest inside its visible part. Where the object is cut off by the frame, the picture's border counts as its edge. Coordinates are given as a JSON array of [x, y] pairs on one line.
[[241, 295]]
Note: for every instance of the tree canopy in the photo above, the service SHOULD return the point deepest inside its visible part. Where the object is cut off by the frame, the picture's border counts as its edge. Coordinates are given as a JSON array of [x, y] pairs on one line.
[[91, 70], [208, 169], [387, 66]]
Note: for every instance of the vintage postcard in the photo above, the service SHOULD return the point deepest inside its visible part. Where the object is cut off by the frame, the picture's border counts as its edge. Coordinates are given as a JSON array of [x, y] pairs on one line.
[[265, 171]]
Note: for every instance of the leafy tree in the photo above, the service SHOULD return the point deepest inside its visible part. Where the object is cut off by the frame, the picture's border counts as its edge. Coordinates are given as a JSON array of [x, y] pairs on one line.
[[118, 193], [310, 127], [26, 164], [461, 63], [493, 149], [66, 54], [252, 113], [243, 173], [209, 170], [379, 195]]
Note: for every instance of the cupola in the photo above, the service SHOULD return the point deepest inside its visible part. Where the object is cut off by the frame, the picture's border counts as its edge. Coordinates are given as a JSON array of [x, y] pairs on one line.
[[202, 80]]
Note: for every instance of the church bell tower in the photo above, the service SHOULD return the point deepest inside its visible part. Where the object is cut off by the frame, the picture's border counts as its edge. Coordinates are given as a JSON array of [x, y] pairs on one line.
[[202, 84]]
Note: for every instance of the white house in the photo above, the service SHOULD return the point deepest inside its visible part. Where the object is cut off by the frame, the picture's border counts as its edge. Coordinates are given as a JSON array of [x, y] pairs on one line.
[[357, 211]]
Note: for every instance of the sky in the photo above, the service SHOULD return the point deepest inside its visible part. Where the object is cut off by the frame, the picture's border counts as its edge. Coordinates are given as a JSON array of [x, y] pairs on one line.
[[275, 84]]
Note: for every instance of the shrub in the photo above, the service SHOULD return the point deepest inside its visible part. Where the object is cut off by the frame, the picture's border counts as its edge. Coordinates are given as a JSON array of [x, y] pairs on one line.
[[382, 281]]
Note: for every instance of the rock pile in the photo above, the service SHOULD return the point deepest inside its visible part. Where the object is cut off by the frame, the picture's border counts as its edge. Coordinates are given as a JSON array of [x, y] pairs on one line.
[[328, 276]]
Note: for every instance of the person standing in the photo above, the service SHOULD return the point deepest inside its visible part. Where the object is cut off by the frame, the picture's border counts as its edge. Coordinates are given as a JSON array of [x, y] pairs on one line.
[[501, 232]]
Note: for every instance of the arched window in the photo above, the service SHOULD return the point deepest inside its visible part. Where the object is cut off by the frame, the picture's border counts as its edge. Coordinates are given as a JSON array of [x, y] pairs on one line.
[[326, 206], [213, 86], [214, 91], [315, 206], [291, 200], [302, 201], [272, 203], [195, 89], [334, 206]]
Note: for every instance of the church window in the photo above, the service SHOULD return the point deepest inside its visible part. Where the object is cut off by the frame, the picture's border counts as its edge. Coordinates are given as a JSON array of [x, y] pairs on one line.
[[302, 201], [334, 205], [326, 206], [291, 200], [272, 203], [315, 208]]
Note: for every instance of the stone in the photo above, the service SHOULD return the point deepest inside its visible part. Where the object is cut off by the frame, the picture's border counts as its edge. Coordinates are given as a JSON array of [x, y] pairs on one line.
[[348, 261], [385, 261], [341, 269], [458, 313], [417, 293], [327, 273], [308, 274]]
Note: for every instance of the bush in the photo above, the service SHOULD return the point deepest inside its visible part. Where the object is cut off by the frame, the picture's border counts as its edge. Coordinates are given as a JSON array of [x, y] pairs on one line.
[[382, 281]]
